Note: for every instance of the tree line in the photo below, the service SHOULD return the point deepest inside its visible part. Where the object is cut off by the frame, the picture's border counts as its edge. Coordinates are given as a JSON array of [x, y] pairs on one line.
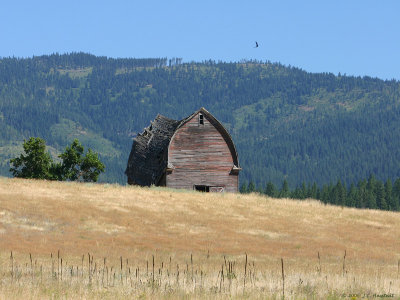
[[367, 193], [36, 163]]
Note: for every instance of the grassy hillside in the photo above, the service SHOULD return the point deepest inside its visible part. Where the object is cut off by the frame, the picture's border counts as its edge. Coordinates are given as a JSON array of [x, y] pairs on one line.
[[286, 123], [192, 237]]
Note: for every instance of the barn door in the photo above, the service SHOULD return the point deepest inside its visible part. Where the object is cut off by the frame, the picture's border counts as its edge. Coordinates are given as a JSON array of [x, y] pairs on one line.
[[202, 188]]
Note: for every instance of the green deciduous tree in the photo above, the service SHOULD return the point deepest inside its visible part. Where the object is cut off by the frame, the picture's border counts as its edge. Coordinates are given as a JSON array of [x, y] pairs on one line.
[[71, 161], [76, 166], [35, 163], [91, 166]]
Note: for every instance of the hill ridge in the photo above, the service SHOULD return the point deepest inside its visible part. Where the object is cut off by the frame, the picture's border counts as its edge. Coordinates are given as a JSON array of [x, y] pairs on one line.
[[309, 126]]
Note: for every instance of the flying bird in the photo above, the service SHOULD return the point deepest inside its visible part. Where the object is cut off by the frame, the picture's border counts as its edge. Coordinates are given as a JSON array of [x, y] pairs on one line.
[[256, 45]]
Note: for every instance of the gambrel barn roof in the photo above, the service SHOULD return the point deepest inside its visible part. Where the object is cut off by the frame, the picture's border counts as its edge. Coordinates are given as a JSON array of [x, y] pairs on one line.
[[148, 159]]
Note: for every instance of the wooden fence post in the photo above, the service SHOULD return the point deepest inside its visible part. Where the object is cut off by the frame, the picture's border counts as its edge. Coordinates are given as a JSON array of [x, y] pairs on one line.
[[283, 280]]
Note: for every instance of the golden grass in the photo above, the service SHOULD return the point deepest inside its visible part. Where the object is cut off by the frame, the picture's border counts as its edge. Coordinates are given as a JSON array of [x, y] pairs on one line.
[[111, 221]]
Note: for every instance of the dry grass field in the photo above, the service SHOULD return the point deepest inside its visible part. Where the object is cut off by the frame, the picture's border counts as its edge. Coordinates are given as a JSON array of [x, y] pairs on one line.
[[77, 240]]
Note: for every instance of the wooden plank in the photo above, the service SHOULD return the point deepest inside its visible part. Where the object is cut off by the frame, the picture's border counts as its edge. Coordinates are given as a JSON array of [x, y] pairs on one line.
[[200, 156]]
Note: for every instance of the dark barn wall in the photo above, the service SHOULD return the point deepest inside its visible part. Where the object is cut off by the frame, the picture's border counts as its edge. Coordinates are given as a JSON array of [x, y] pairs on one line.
[[200, 156]]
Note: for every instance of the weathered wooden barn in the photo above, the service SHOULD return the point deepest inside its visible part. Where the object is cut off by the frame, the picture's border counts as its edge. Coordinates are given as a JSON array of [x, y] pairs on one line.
[[194, 153]]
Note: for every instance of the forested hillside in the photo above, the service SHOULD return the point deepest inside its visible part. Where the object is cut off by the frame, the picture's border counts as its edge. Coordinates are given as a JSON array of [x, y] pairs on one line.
[[286, 123]]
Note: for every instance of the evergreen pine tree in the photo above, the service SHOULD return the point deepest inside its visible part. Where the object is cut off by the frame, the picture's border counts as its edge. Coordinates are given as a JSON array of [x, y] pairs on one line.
[[243, 188], [380, 195], [396, 192], [352, 196], [371, 184], [314, 191], [325, 194], [362, 198], [370, 199], [390, 201], [341, 193], [336, 192], [303, 193], [371, 189], [270, 189], [252, 187], [297, 193], [284, 192]]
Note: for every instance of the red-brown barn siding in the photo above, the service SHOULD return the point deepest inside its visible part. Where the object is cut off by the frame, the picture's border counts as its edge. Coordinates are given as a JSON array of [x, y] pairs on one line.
[[200, 156]]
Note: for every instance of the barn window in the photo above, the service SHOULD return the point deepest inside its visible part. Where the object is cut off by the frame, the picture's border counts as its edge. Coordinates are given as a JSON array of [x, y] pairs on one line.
[[201, 119]]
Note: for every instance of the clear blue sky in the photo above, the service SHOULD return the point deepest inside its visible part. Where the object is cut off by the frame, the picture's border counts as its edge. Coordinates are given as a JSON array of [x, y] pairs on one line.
[[353, 37]]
